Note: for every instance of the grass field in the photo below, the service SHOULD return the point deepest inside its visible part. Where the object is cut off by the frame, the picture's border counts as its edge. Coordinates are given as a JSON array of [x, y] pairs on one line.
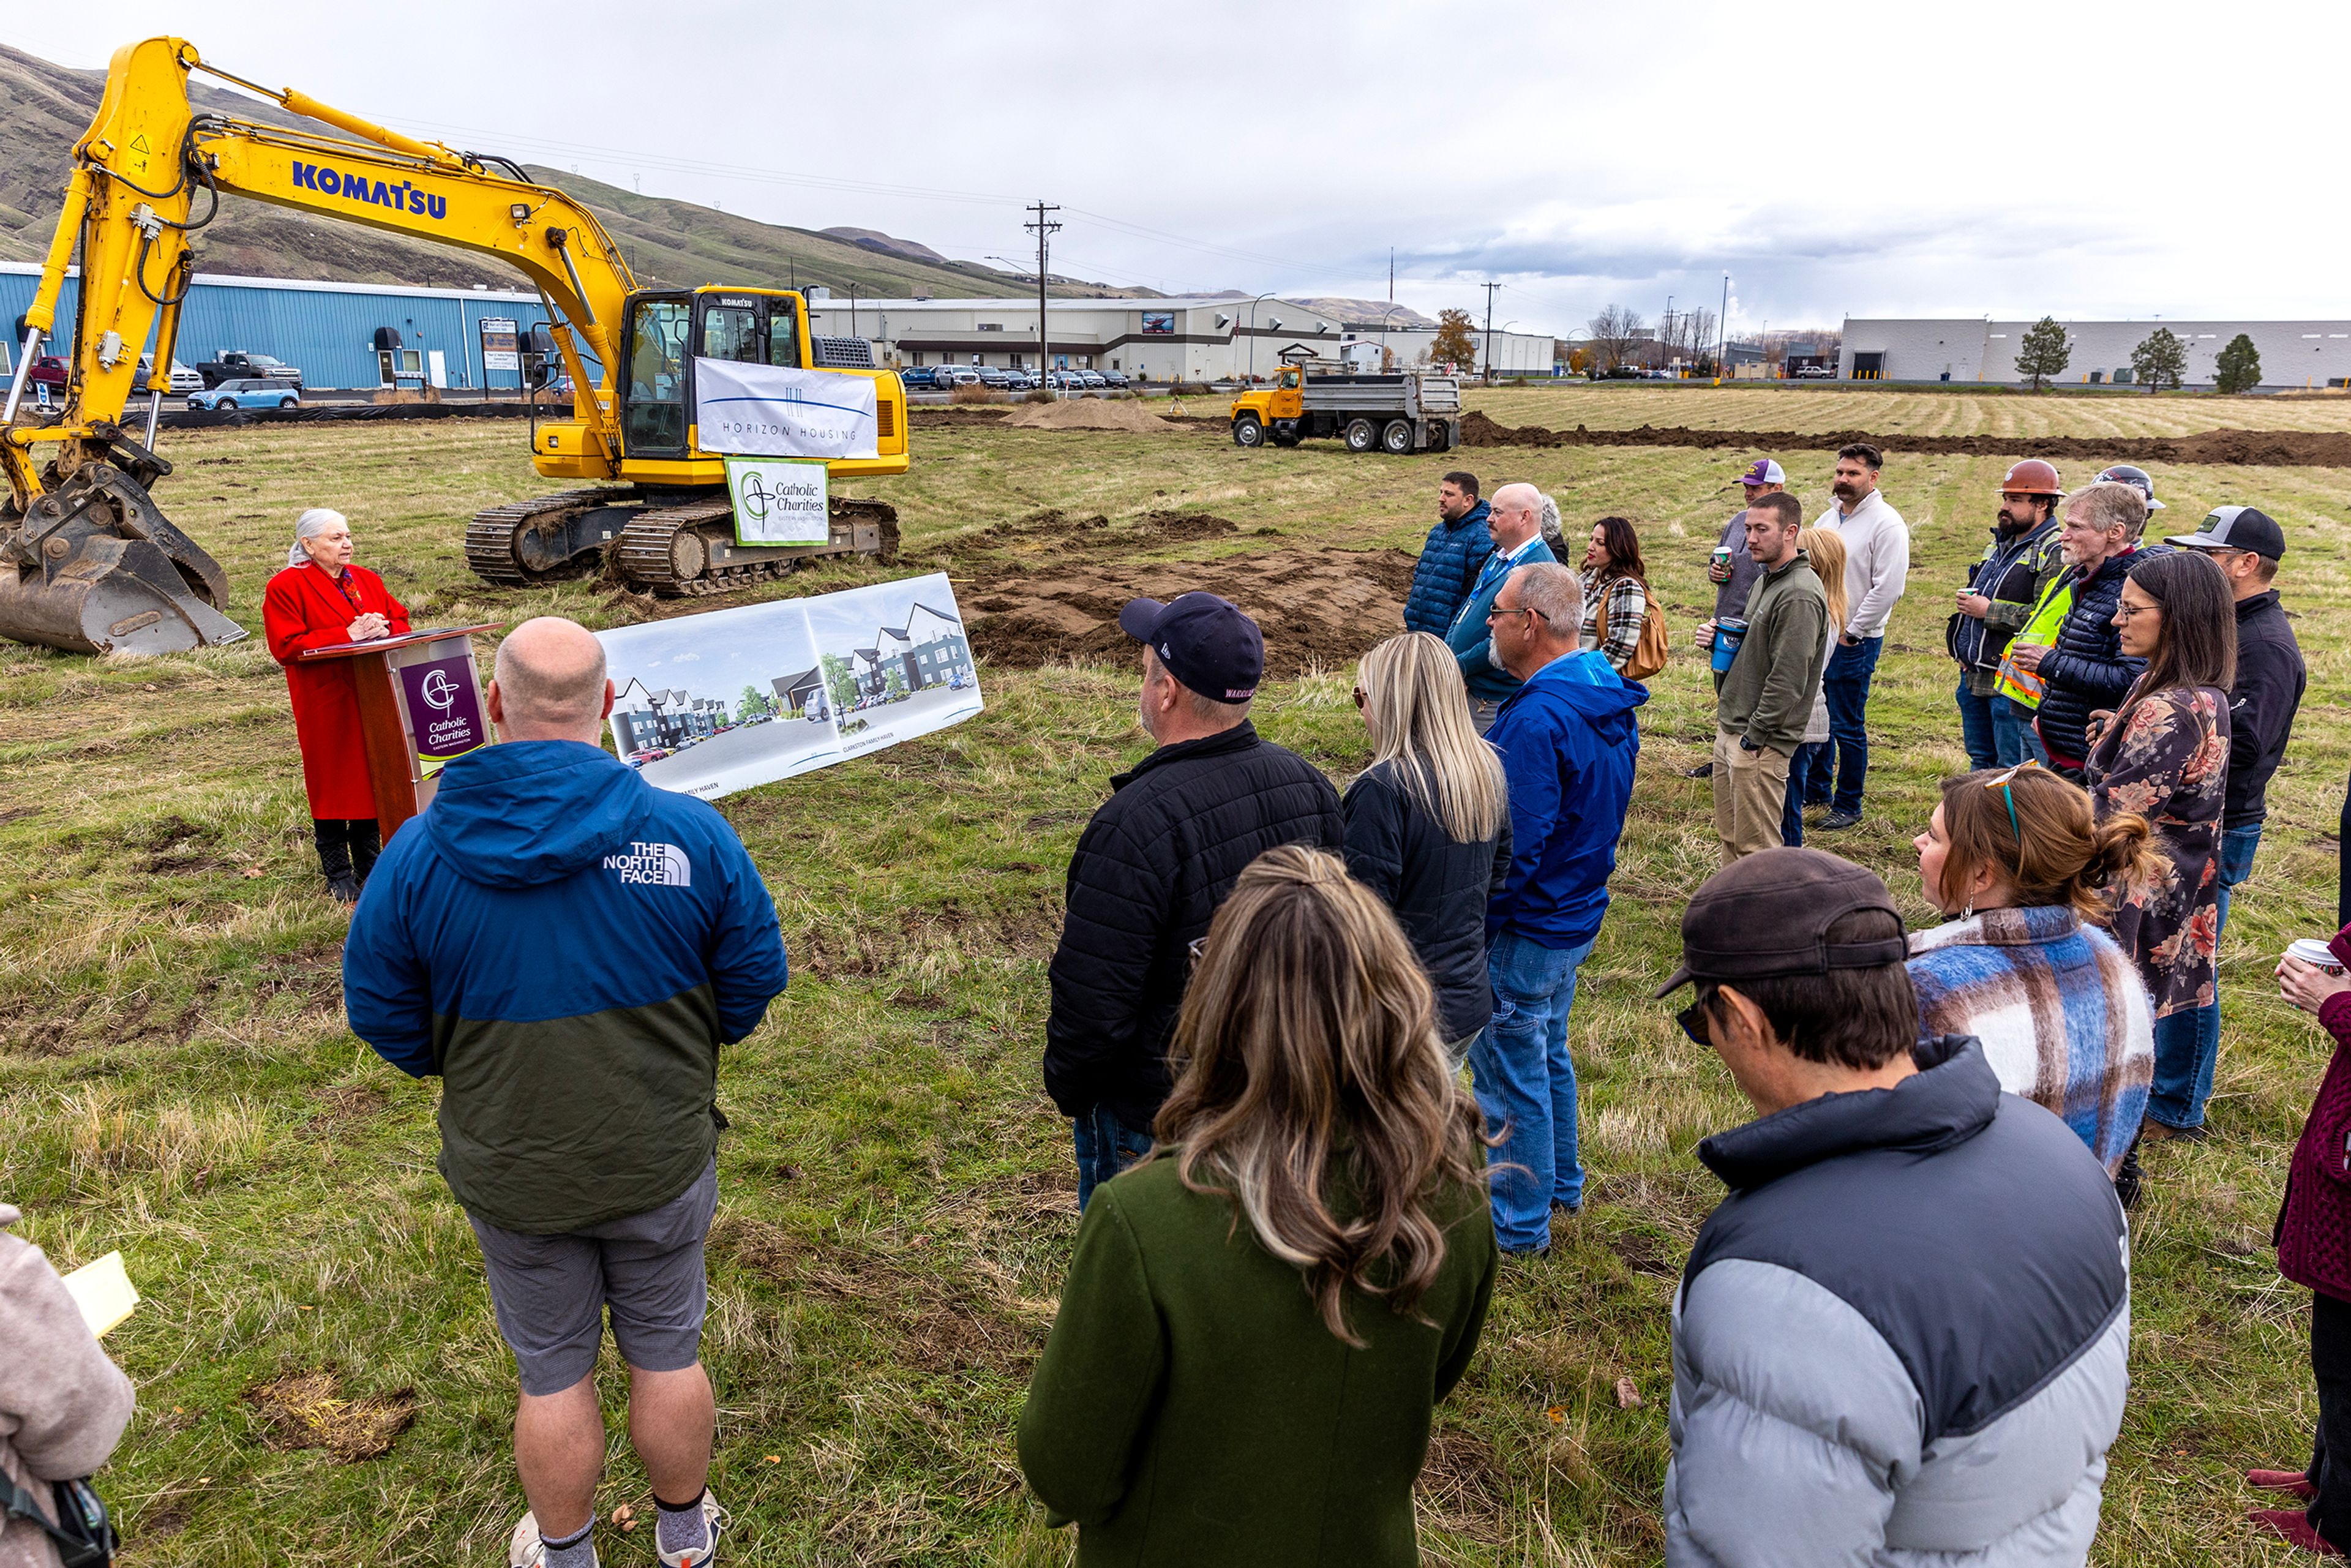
[[898, 1201], [1625, 405]]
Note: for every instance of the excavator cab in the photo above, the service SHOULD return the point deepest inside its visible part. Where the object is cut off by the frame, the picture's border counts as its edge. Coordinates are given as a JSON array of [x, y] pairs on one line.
[[668, 331]]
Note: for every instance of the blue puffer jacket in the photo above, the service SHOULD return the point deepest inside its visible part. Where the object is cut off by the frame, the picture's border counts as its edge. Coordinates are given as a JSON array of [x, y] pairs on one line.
[[1852, 1385], [1446, 570], [568, 947], [1472, 640], [1567, 742]]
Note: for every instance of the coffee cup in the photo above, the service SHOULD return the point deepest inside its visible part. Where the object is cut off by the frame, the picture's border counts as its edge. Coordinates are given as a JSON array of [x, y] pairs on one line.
[[1728, 635], [2311, 950]]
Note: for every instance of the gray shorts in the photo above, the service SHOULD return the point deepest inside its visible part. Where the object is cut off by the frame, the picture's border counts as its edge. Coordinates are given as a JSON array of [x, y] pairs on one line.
[[550, 1291]]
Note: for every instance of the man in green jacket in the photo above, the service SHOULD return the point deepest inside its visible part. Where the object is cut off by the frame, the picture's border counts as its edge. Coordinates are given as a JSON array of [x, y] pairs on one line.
[[1765, 697]]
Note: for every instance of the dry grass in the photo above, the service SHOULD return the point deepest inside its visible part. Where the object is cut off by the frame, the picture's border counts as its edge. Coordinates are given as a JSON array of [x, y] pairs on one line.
[[897, 1193], [1627, 405]]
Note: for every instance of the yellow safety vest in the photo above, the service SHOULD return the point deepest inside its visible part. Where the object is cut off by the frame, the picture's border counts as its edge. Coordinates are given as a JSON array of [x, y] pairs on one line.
[[2025, 687]]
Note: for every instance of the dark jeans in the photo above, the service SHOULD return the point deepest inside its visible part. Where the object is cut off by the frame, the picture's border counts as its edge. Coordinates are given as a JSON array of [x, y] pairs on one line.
[[1106, 1146], [2183, 1079], [2330, 1448], [1817, 762], [1976, 731], [1809, 764], [1846, 685], [2013, 737]]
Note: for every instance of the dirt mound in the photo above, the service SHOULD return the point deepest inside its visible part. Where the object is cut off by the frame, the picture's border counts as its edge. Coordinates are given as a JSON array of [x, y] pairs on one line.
[[1090, 414], [2279, 448], [1318, 609]]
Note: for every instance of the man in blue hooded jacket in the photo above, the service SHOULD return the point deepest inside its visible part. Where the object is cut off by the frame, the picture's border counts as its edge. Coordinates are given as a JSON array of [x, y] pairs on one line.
[[1568, 741], [568, 947]]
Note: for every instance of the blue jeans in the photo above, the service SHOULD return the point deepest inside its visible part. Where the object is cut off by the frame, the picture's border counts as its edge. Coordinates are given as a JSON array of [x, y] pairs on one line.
[[2183, 1078], [1525, 1082], [1106, 1146], [1815, 764], [1791, 815], [2013, 737], [1976, 731], [1846, 685]]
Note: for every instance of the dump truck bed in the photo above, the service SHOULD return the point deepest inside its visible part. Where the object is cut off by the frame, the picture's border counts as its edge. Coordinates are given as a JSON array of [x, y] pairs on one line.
[[1411, 395]]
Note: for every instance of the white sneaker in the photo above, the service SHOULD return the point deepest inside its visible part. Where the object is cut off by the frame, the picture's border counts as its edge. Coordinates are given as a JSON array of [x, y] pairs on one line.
[[524, 1548], [712, 1519]]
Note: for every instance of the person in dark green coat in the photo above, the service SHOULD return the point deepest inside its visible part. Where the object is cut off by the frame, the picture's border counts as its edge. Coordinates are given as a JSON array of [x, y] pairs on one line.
[[1261, 1316]]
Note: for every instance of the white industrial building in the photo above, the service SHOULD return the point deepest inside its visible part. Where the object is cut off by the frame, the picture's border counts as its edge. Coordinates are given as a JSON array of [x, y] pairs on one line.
[[1151, 339], [2295, 354]]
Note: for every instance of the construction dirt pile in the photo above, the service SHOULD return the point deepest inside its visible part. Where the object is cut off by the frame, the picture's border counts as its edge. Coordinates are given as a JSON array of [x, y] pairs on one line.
[[1090, 414], [2280, 448], [1059, 594]]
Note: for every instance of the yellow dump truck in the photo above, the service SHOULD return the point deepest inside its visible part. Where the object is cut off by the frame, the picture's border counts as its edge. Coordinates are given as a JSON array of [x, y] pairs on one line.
[[1397, 413]]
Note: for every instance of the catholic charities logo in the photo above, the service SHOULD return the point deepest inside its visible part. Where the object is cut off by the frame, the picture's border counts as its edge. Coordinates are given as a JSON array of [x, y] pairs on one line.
[[654, 865]]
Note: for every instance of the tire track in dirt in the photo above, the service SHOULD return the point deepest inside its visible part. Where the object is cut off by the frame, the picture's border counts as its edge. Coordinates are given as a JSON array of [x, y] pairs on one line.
[[2253, 448]]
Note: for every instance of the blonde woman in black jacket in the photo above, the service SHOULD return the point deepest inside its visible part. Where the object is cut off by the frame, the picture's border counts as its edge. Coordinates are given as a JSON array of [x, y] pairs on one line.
[[1428, 824]]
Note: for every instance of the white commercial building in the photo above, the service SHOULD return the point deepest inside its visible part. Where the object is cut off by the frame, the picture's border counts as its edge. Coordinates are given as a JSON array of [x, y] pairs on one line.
[[2295, 354], [1151, 339]]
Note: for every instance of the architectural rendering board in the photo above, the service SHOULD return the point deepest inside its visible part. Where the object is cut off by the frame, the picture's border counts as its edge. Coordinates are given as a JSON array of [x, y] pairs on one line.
[[706, 705]]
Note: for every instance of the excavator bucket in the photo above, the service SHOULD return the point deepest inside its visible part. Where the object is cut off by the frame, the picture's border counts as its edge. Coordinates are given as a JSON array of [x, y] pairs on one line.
[[94, 568]]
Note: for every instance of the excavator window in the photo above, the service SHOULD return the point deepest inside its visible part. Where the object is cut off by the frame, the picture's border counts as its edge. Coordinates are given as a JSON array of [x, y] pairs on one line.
[[783, 331], [731, 333], [657, 340]]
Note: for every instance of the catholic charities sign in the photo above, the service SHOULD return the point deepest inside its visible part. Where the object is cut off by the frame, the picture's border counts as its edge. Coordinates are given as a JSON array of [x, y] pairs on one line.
[[778, 501], [778, 411]]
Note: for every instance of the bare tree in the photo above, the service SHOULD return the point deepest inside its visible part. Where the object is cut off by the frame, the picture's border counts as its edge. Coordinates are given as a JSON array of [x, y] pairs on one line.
[[1614, 332]]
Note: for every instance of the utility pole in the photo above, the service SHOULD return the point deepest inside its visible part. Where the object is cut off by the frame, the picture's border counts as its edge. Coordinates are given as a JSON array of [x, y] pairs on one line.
[[1490, 289], [1043, 228], [1391, 275]]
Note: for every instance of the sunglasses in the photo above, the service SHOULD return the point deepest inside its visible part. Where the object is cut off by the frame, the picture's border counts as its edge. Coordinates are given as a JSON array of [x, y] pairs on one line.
[[2006, 785], [1693, 1020]]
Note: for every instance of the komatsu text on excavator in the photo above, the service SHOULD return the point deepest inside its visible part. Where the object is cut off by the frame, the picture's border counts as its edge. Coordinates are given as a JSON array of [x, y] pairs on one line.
[[89, 563]]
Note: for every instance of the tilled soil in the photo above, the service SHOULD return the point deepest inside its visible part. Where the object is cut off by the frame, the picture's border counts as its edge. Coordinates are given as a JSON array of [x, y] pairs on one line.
[[2279, 448], [1059, 594]]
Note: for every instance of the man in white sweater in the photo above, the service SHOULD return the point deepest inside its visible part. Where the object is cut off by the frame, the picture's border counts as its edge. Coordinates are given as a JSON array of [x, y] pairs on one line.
[[1876, 564]]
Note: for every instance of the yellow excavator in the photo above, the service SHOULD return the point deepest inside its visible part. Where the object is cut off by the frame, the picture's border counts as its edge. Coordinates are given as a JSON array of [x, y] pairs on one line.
[[89, 564]]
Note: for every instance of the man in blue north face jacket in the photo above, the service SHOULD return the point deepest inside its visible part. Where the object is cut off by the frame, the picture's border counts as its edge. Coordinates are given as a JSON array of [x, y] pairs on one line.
[[568, 947], [1457, 546]]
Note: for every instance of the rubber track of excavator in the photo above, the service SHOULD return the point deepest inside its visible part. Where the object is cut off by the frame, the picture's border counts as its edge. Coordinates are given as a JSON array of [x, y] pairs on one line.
[[646, 554], [489, 538]]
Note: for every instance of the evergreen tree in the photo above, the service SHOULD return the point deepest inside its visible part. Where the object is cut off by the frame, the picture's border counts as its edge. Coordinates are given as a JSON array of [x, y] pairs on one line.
[[2045, 352], [2237, 369], [2160, 361]]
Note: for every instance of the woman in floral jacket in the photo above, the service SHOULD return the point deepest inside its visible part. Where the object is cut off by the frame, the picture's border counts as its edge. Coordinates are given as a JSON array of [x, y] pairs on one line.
[[2165, 756]]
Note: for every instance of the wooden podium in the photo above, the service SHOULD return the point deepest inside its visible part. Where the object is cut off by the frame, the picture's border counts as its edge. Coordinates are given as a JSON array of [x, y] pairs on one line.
[[420, 706]]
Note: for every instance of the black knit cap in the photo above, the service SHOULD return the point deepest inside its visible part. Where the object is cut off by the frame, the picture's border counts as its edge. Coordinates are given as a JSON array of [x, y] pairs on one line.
[[1770, 913]]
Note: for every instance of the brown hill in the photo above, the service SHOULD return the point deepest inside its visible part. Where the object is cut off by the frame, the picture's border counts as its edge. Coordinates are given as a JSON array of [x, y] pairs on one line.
[[45, 108]]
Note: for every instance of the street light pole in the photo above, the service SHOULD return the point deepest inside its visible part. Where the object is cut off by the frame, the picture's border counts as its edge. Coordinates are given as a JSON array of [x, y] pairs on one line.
[[1252, 328], [1722, 325]]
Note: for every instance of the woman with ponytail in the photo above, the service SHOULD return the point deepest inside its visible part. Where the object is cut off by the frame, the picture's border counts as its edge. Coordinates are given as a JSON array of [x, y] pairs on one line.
[[1261, 1316], [2031, 877]]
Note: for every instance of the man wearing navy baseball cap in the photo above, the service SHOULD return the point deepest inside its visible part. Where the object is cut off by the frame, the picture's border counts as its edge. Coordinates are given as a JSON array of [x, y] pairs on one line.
[[1154, 863], [2247, 544]]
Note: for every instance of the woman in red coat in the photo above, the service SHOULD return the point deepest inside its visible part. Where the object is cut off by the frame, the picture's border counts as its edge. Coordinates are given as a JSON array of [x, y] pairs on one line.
[[2313, 1248], [322, 601]]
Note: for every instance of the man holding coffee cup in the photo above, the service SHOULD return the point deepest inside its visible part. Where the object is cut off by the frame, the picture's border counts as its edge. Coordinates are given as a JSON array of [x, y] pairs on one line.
[[1769, 667]]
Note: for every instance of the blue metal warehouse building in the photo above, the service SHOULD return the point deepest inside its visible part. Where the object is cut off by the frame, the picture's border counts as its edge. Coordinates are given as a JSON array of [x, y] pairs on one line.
[[329, 329]]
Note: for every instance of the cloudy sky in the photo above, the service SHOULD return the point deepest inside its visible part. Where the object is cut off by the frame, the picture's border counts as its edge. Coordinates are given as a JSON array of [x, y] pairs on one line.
[[2078, 159]]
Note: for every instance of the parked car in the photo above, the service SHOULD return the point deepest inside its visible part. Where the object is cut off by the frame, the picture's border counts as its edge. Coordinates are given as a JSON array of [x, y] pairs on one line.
[[1116, 378], [247, 392], [1092, 379], [1816, 373], [994, 376], [1066, 380], [182, 380], [236, 364], [1020, 380], [947, 378], [916, 378], [47, 369]]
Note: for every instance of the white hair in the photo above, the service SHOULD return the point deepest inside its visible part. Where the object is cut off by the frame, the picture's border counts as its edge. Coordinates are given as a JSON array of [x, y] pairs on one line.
[[309, 526]]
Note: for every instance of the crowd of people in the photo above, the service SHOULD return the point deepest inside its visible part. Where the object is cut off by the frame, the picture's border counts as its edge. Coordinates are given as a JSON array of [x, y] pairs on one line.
[[1315, 1048]]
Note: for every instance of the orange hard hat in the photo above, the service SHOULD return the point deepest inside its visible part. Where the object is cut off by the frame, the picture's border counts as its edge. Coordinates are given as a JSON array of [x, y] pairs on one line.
[[2033, 477]]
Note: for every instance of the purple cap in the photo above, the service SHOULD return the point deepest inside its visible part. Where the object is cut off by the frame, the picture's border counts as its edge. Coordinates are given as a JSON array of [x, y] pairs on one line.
[[1763, 471], [1205, 642]]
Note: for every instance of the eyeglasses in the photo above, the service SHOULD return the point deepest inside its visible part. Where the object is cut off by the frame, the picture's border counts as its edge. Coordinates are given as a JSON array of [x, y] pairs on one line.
[[2129, 611], [1693, 1022], [1514, 609], [2006, 785]]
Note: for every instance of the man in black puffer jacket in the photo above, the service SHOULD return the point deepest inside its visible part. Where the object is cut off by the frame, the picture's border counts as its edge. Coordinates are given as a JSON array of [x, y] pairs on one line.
[[1155, 862], [2084, 667]]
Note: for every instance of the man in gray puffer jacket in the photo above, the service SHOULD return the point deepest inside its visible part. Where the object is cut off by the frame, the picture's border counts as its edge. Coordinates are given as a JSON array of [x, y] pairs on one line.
[[1904, 1337]]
